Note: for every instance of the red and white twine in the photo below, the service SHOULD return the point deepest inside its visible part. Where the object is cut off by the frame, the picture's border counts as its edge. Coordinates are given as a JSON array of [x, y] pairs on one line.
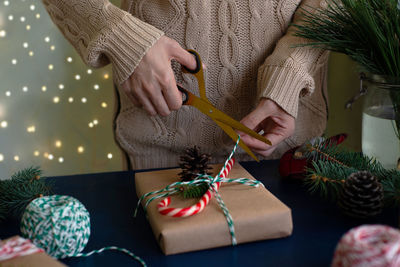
[[369, 246], [17, 247]]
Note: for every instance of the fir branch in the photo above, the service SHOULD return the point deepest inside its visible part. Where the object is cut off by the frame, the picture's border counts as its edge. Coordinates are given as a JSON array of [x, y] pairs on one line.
[[3, 206], [391, 188], [333, 164], [194, 190], [16, 193], [366, 30], [324, 155], [27, 174], [327, 178], [329, 151]]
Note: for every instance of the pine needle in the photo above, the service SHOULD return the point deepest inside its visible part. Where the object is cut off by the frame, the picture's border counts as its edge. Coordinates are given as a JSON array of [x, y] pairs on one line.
[[391, 188], [16, 193], [194, 190], [332, 165], [367, 31]]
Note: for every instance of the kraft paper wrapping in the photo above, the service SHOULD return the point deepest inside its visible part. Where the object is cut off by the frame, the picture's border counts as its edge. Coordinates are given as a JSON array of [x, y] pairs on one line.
[[256, 213], [34, 260]]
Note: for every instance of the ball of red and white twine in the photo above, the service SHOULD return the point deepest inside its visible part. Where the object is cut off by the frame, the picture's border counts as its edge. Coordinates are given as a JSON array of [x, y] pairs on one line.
[[368, 246]]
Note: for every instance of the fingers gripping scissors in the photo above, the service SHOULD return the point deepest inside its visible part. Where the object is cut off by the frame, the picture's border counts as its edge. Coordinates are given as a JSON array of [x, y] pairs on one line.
[[225, 122]]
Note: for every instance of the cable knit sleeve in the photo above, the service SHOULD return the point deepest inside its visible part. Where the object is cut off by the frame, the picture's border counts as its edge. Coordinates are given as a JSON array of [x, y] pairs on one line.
[[103, 33], [287, 73]]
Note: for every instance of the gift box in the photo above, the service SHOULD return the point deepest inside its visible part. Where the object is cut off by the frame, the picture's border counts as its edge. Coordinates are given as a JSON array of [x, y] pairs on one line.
[[17, 251], [257, 214]]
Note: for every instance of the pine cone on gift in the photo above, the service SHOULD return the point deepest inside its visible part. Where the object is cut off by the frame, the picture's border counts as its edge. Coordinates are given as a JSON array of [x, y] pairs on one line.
[[192, 163], [361, 196]]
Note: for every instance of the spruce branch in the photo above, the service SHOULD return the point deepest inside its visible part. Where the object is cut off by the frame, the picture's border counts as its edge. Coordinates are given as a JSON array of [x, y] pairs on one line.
[[322, 155], [391, 188], [329, 151], [16, 193], [333, 164], [326, 178], [367, 31], [194, 190]]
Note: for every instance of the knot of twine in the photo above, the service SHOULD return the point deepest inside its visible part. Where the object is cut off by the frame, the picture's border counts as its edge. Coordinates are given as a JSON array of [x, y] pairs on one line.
[[201, 178], [60, 225], [368, 245]]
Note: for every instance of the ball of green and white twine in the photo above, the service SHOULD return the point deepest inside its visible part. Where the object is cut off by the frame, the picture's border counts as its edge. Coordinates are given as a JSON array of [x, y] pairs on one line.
[[60, 225]]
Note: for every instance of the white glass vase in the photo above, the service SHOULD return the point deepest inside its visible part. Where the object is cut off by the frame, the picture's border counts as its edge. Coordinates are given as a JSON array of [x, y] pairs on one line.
[[381, 120]]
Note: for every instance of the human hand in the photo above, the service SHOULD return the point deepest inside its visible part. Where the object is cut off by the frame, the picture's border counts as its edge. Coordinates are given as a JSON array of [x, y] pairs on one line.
[[276, 123], [152, 85]]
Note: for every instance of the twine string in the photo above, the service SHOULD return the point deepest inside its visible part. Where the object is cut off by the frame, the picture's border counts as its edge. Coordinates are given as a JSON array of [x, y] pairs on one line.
[[123, 250], [203, 178], [60, 225]]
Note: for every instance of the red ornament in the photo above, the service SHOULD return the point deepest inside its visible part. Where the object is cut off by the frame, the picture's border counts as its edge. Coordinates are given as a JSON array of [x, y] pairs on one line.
[[292, 165]]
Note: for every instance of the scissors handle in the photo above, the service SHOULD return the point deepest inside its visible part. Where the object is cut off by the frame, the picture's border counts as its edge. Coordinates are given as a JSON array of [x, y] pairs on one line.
[[185, 95], [198, 62]]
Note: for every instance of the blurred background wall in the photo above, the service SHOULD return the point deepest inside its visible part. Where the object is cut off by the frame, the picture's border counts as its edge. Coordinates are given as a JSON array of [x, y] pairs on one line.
[[57, 113], [343, 84]]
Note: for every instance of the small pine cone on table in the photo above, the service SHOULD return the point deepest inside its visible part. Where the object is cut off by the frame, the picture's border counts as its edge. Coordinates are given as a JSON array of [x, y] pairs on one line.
[[361, 196], [193, 162]]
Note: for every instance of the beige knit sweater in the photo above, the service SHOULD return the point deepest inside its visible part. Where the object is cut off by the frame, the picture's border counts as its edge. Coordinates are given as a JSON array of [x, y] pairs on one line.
[[248, 48]]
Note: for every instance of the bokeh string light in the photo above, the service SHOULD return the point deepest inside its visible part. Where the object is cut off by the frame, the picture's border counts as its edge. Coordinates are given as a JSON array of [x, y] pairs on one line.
[[49, 97]]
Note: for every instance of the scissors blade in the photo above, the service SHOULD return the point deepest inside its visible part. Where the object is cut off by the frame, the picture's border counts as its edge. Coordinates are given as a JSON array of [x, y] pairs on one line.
[[232, 134], [218, 115]]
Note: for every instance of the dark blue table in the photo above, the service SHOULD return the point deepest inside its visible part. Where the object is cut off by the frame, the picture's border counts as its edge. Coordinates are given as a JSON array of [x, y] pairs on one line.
[[110, 198]]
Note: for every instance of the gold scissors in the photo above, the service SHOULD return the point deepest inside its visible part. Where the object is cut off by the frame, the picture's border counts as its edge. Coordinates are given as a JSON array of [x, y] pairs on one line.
[[224, 121]]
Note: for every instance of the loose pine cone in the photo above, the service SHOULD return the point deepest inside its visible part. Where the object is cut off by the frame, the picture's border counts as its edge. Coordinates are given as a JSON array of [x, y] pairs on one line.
[[362, 195], [193, 162]]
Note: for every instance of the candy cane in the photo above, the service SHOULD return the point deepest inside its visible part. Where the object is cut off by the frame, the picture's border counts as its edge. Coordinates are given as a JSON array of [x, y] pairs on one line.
[[199, 206]]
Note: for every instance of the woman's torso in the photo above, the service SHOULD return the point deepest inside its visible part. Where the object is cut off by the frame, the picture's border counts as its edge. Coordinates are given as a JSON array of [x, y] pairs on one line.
[[233, 38]]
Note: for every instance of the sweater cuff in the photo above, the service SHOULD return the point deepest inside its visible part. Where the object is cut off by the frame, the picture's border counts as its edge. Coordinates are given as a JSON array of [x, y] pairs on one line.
[[284, 86], [129, 42]]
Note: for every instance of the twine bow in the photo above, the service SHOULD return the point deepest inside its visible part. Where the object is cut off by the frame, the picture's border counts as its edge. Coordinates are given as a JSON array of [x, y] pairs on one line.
[[203, 178]]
